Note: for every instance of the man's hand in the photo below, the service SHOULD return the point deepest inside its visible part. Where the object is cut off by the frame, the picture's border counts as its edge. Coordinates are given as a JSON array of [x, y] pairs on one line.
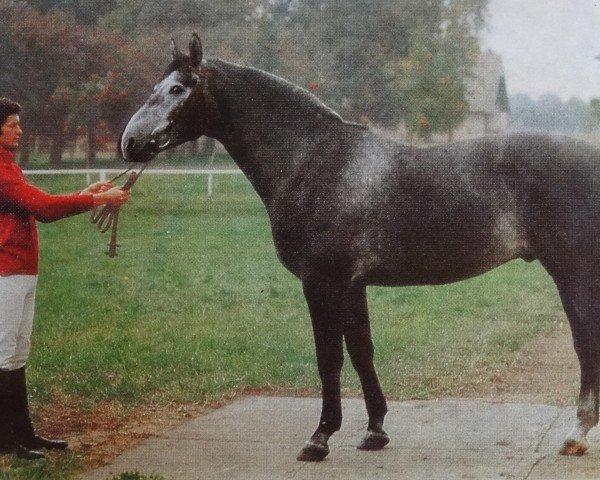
[[97, 187], [114, 196]]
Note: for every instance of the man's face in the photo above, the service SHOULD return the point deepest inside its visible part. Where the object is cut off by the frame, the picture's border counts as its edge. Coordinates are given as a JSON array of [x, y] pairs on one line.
[[11, 132]]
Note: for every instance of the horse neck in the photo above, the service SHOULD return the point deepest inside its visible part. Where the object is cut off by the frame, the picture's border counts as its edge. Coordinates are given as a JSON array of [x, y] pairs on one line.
[[269, 127]]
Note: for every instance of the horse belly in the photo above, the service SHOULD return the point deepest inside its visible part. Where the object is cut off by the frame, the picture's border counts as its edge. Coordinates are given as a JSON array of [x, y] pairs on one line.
[[441, 257]]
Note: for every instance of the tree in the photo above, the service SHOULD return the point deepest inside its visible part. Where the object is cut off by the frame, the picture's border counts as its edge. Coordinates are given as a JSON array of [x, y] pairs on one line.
[[139, 17], [351, 53], [51, 58], [358, 50], [85, 12], [89, 104], [551, 114], [348, 52], [576, 115], [349, 44], [36, 70], [523, 113], [431, 91], [431, 81], [595, 107]]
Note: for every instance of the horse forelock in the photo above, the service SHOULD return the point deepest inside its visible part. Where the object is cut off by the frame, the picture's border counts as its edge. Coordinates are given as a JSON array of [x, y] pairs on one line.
[[181, 64]]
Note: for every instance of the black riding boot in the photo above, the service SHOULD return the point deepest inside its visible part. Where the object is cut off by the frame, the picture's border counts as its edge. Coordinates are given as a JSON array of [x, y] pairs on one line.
[[8, 442], [23, 428]]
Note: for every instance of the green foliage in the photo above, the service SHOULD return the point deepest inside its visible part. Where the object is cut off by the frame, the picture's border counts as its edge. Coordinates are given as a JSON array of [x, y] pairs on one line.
[[595, 108], [85, 12], [48, 53], [39, 50], [347, 52], [551, 114], [92, 105], [431, 82], [357, 50], [60, 466], [135, 476], [139, 17], [432, 91], [350, 48]]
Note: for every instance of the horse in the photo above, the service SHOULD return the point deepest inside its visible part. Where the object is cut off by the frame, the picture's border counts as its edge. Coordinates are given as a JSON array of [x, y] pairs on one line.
[[349, 209]]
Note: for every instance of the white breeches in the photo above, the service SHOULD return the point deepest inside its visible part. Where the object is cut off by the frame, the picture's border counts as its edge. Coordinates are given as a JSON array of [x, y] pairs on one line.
[[17, 305]]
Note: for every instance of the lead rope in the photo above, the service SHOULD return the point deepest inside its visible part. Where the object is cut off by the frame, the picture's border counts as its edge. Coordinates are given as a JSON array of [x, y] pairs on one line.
[[107, 216]]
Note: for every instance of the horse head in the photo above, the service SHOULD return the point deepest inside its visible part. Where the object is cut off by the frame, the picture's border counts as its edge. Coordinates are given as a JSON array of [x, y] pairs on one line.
[[173, 114]]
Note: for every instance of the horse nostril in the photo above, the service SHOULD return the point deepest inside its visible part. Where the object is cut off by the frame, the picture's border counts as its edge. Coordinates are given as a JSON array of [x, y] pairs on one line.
[[130, 144]]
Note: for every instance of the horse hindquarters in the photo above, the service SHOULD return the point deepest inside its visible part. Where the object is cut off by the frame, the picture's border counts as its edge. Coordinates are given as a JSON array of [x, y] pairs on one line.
[[339, 311], [580, 295]]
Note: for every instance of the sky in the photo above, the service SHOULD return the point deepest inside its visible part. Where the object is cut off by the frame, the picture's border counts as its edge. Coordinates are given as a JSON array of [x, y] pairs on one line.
[[547, 46]]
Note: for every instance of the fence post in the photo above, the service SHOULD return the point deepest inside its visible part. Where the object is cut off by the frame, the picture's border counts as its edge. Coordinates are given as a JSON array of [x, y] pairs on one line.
[[103, 176], [210, 184]]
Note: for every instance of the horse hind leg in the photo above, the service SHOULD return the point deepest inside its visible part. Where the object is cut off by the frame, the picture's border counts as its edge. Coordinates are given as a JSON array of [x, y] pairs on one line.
[[357, 334], [583, 311]]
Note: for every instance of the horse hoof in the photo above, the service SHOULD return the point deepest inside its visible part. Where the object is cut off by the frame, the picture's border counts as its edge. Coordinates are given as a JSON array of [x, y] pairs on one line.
[[574, 448], [374, 441], [313, 452]]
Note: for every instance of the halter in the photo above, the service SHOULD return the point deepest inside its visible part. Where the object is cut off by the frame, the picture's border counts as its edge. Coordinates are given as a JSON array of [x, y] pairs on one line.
[[107, 216]]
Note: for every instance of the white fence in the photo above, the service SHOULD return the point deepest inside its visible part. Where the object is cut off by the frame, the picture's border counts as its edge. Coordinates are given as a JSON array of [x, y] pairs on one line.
[[105, 173]]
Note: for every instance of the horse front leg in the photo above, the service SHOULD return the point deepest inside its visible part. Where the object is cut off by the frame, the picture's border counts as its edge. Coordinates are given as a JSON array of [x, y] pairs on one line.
[[357, 333], [323, 298]]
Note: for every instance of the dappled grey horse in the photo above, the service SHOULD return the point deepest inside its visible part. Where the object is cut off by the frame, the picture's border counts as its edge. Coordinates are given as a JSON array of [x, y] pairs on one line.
[[350, 209]]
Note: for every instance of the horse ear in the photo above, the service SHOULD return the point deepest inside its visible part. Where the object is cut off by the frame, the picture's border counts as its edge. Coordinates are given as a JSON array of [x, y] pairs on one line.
[[174, 50], [195, 51]]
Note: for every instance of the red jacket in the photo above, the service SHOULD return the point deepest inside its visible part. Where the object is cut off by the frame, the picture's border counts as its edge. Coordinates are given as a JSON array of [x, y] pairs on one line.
[[21, 204]]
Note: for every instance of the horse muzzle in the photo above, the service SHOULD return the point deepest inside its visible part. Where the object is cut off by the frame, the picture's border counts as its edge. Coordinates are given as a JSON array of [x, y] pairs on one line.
[[140, 147]]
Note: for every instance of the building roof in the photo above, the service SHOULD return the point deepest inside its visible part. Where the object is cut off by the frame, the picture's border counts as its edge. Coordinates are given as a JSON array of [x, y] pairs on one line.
[[486, 89]]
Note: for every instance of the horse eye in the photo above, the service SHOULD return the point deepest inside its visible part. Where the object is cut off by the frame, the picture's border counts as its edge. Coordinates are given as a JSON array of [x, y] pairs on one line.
[[176, 90]]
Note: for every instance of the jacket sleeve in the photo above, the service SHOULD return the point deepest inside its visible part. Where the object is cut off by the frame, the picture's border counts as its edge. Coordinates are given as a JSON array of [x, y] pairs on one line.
[[17, 193]]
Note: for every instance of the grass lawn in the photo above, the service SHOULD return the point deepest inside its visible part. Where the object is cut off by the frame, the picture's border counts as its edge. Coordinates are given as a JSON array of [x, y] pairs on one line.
[[197, 306]]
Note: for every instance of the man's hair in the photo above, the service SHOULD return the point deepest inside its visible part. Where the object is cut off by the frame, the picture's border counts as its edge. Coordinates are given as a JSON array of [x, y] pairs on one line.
[[8, 107]]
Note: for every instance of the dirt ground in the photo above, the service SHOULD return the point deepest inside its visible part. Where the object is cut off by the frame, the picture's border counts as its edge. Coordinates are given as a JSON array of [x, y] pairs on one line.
[[545, 372], [99, 435]]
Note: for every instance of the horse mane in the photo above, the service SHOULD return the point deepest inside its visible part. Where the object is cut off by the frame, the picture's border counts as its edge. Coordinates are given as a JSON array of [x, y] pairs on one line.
[[278, 91]]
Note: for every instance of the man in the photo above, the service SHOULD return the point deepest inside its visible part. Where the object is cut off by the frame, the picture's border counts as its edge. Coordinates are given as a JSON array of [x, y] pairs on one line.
[[21, 205]]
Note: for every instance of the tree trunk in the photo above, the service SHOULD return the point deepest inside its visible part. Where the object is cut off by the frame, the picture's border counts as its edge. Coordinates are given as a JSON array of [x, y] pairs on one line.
[[25, 149], [92, 147], [58, 144]]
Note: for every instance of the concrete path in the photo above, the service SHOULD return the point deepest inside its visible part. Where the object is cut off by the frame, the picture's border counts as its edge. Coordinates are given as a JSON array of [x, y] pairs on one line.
[[257, 438]]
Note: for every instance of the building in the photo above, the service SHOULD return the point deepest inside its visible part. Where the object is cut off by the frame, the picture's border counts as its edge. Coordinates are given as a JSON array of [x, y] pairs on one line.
[[487, 98]]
